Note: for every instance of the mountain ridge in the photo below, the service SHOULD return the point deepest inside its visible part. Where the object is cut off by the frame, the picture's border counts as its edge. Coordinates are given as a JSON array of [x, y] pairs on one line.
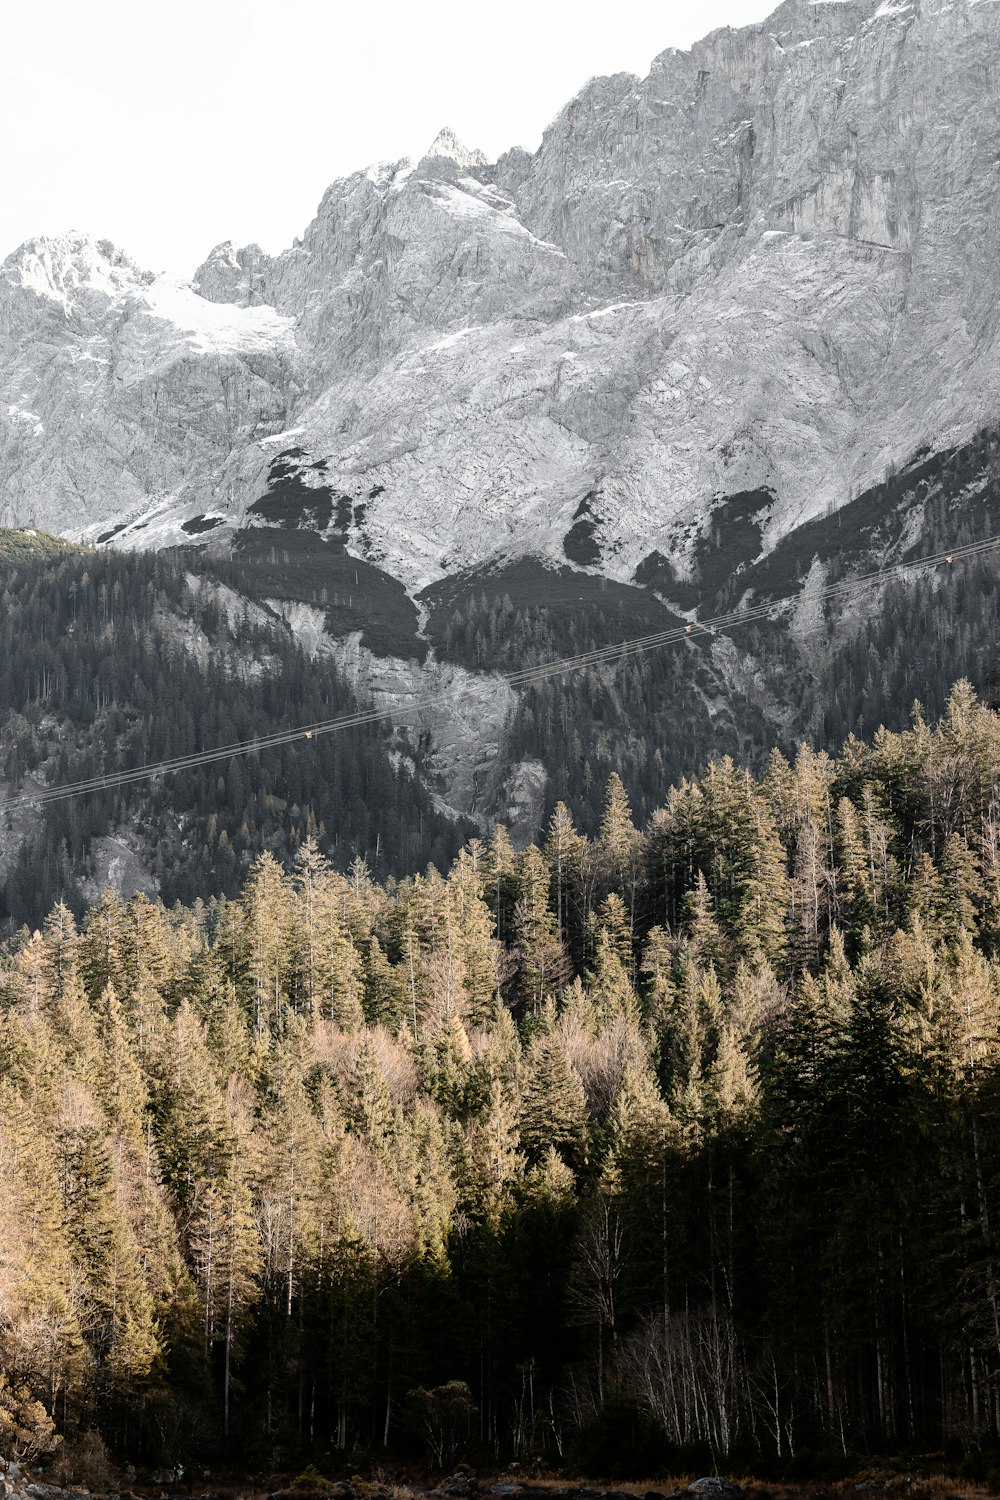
[[682, 295]]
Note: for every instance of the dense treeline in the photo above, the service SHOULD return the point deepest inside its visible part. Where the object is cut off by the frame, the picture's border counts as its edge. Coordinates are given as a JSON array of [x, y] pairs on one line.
[[112, 660], [809, 673], [659, 717], [666, 1143]]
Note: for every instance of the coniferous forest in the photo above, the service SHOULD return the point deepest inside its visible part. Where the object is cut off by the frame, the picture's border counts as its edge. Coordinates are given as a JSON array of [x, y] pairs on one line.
[[675, 1145], [111, 660]]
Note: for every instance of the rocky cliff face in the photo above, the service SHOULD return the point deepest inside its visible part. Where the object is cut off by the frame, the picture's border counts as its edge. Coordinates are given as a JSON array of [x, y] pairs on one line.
[[770, 267], [120, 389]]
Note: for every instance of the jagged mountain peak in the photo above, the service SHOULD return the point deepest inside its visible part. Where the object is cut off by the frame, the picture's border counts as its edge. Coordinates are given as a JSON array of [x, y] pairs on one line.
[[447, 144], [62, 267]]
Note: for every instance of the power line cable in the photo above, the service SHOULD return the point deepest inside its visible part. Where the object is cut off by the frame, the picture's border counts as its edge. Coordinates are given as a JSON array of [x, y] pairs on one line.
[[519, 678]]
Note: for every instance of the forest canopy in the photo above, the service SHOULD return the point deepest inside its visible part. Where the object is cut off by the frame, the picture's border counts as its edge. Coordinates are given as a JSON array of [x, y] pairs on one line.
[[688, 1132]]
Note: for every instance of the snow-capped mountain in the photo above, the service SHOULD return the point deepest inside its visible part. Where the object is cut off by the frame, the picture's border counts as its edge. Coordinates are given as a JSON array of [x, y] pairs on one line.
[[769, 267]]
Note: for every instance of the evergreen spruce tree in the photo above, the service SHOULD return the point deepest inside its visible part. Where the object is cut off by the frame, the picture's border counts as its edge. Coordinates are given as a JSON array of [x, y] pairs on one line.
[[730, 1083], [493, 1161], [477, 950], [542, 959], [367, 1102], [448, 1067], [963, 887], [120, 1083], [566, 854], [553, 1106], [704, 938], [268, 918], [618, 835], [500, 889], [385, 993], [101, 949], [328, 970], [191, 1121]]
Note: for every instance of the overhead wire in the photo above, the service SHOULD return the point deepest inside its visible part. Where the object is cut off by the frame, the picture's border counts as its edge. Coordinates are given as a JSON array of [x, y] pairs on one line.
[[519, 678]]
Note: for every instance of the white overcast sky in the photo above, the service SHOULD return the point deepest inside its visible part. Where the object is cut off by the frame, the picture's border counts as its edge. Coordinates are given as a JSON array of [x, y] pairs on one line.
[[168, 128]]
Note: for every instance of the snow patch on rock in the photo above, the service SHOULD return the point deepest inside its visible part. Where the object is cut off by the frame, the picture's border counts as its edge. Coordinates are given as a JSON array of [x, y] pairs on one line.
[[217, 327]]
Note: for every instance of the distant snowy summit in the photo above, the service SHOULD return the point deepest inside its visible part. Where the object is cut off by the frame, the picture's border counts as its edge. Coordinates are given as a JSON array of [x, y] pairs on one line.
[[768, 269], [447, 144]]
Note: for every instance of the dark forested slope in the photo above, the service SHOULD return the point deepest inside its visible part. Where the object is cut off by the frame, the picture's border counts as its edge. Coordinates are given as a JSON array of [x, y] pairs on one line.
[[109, 660], [113, 660], [671, 1145]]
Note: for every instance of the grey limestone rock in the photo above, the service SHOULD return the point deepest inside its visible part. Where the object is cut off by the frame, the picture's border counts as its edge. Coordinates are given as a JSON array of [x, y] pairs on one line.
[[770, 264], [233, 275]]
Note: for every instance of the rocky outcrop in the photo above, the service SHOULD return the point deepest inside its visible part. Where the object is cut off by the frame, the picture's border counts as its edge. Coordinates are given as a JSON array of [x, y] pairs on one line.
[[459, 718], [233, 275], [122, 390]]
